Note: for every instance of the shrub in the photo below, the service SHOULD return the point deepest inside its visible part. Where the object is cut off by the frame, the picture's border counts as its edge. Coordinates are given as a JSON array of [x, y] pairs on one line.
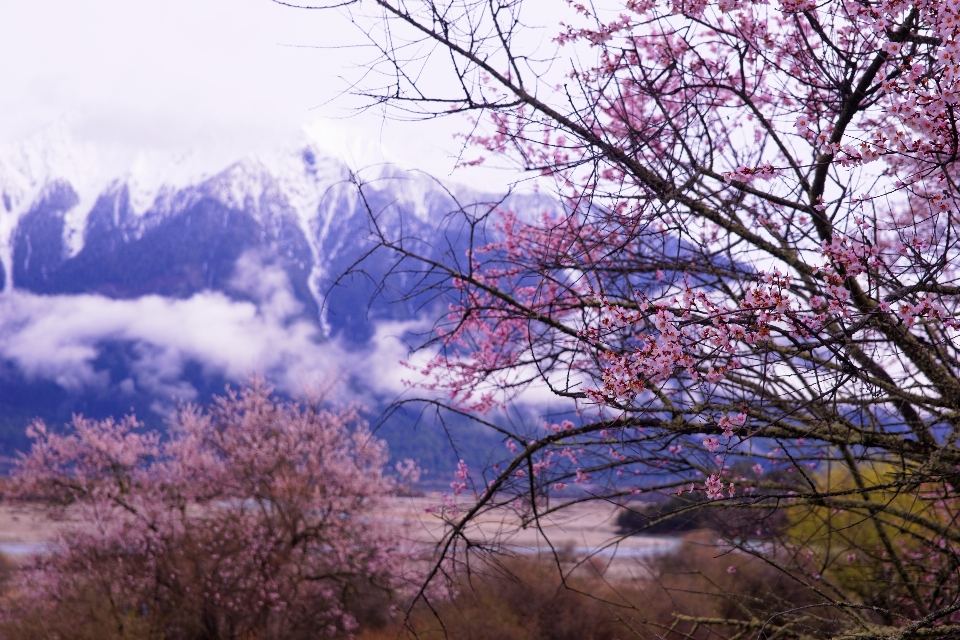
[[683, 596], [704, 582], [693, 510], [6, 571], [523, 599], [676, 514]]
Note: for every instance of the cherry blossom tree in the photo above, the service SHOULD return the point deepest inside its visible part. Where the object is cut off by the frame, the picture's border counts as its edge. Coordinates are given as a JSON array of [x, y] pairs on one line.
[[752, 269], [251, 520]]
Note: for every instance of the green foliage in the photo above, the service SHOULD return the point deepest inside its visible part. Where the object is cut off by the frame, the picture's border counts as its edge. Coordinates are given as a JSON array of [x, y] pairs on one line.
[[676, 514], [884, 543], [687, 511]]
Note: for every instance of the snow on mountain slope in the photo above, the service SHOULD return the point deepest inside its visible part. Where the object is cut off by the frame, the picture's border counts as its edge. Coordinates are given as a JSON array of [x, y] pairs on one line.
[[29, 166], [301, 184]]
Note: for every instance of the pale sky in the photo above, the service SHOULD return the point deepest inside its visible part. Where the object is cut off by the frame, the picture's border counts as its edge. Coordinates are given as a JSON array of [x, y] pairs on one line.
[[240, 75]]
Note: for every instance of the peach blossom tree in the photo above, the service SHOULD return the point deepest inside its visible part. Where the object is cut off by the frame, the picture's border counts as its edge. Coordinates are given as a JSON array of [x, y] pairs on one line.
[[255, 518]]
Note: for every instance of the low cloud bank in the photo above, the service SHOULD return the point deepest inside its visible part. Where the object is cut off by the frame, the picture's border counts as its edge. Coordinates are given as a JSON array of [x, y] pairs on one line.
[[60, 337]]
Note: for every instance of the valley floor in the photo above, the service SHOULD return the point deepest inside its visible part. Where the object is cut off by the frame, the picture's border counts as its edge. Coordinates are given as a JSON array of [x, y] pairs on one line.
[[577, 533]]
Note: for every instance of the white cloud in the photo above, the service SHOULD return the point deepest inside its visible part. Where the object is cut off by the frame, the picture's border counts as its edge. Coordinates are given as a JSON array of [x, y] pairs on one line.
[[59, 338]]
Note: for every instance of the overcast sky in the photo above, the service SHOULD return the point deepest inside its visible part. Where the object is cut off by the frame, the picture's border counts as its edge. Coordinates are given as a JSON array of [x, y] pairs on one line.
[[237, 74]]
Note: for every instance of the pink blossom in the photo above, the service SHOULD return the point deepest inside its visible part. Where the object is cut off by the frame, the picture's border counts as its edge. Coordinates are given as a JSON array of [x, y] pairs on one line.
[[245, 503]]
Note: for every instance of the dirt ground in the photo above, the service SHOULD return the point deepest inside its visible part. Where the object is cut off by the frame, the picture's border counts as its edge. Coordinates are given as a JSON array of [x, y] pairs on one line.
[[578, 532]]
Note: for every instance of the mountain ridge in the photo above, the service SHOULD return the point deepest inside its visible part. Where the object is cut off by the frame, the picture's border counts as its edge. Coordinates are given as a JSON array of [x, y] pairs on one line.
[[114, 281]]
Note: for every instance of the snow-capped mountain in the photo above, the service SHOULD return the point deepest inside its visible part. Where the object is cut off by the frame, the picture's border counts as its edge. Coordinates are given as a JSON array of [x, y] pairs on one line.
[[137, 279], [74, 218]]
